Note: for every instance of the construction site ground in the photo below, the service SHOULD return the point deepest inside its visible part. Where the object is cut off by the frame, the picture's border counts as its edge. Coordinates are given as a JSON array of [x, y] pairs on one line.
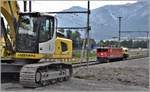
[[114, 76]]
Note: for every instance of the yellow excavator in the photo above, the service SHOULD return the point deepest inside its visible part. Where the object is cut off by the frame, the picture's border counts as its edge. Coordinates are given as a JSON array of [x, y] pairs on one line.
[[28, 43]]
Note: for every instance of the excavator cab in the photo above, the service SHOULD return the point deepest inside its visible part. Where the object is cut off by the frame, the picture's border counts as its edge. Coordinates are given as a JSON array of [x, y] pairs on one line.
[[35, 33], [35, 38]]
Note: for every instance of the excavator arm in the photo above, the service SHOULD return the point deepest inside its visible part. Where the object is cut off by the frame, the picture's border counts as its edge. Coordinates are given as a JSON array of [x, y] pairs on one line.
[[10, 11]]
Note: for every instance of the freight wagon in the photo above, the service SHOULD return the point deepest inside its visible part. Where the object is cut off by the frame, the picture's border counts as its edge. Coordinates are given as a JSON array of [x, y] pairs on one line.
[[106, 54]]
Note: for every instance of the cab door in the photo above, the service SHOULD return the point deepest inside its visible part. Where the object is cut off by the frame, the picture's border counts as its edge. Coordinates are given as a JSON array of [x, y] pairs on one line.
[[46, 35]]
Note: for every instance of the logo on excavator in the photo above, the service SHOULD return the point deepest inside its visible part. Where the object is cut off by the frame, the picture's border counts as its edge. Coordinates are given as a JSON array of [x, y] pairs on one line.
[[27, 55]]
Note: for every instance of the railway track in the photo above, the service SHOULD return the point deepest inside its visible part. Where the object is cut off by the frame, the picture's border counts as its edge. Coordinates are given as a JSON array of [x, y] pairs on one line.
[[80, 64]]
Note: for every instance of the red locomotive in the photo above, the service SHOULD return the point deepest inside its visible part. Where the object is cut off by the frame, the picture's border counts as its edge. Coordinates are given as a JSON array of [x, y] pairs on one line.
[[105, 54]]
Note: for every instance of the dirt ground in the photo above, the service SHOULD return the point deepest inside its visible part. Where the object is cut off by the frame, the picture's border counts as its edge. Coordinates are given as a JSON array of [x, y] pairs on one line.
[[114, 76], [132, 74]]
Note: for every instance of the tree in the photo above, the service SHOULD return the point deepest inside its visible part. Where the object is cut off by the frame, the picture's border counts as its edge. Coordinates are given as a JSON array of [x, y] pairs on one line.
[[92, 43], [69, 34]]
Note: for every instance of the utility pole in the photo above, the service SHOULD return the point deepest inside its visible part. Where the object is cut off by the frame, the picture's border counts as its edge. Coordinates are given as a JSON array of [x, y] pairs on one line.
[[119, 31], [147, 33], [25, 6], [30, 6], [88, 38]]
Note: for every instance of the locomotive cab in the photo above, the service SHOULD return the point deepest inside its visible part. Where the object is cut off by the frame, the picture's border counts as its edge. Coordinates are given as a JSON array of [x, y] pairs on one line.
[[102, 54]]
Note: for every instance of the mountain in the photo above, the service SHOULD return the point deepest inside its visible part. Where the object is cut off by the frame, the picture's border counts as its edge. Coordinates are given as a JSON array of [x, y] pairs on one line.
[[75, 20], [104, 20]]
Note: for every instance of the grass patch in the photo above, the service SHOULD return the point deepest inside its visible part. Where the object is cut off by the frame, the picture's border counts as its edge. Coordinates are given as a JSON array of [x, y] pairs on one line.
[[77, 54]]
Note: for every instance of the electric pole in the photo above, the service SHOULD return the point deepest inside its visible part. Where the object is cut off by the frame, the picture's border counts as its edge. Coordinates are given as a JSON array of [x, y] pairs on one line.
[[30, 6], [119, 31], [147, 33], [25, 6], [88, 38]]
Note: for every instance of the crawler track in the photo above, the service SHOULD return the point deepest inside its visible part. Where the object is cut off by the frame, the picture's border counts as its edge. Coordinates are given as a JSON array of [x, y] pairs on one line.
[[35, 75]]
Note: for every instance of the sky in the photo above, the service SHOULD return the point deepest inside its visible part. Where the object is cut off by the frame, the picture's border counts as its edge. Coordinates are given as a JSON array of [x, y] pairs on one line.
[[47, 6]]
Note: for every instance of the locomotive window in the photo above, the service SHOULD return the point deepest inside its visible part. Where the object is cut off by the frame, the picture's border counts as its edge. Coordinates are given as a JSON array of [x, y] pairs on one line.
[[102, 50]]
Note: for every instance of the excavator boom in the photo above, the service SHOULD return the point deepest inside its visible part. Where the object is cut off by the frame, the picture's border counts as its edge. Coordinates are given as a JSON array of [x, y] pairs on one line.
[[10, 11]]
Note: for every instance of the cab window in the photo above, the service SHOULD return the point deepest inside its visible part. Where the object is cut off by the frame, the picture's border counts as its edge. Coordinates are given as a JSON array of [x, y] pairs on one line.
[[63, 46], [46, 30]]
